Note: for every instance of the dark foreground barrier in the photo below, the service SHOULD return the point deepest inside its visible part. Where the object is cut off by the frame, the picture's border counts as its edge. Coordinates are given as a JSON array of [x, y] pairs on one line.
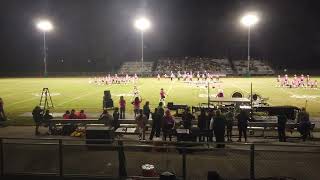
[[73, 159]]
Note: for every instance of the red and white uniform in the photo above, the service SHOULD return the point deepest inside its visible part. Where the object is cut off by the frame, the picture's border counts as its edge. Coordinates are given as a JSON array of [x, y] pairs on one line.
[[162, 94]]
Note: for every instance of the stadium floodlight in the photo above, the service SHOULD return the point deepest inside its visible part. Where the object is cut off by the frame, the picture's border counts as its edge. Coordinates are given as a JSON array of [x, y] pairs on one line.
[[249, 20], [44, 26], [142, 24]]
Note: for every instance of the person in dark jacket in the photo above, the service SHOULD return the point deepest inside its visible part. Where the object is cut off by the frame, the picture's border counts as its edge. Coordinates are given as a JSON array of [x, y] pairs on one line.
[[146, 110], [229, 123], [73, 114], [211, 116], [47, 118], [116, 115], [187, 118], [156, 124], [218, 125], [282, 120], [202, 121], [106, 118], [37, 118], [243, 119], [168, 125], [304, 124]]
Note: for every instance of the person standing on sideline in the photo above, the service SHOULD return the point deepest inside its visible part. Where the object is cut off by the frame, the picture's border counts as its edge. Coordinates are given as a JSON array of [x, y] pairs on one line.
[[168, 125], [218, 125], [282, 120], [211, 117], [122, 105], [136, 105], [243, 119], [229, 123], [202, 120], [37, 118], [47, 118], [146, 110], [116, 115], [160, 111], [304, 123], [141, 121], [106, 118], [156, 124], [2, 114], [187, 118]]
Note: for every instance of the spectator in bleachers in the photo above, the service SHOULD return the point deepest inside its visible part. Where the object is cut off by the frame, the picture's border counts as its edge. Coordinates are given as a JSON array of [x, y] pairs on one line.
[[66, 115], [243, 119], [122, 104], [106, 118], [146, 110], [141, 121], [168, 125], [82, 115], [73, 114], [136, 105], [116, 115]]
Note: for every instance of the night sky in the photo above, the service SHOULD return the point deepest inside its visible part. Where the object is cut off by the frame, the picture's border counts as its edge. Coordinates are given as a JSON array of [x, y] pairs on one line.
[[97, 35]]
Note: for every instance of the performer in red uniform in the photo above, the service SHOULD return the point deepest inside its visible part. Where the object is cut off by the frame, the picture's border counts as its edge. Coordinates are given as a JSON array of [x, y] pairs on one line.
[[162, 94]]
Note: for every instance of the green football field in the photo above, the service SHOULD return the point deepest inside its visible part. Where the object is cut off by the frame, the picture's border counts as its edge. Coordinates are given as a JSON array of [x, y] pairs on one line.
[[20, 95]]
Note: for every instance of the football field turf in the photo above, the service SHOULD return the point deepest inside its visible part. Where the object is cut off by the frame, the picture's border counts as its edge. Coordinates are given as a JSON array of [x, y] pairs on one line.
[[20, 95]]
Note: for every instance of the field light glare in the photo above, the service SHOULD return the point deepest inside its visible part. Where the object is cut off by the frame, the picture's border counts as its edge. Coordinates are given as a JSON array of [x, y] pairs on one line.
[[249, 20], [142, 24], [44, 25]]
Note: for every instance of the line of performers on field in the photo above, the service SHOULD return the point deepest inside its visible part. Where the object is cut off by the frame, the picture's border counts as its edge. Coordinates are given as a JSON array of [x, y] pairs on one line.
[[297, 81], [108, 80], [188, 76]]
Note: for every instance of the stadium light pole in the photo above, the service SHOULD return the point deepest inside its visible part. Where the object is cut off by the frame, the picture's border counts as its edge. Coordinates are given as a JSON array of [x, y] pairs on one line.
[[249, 20], [44, 26], [142, 24]]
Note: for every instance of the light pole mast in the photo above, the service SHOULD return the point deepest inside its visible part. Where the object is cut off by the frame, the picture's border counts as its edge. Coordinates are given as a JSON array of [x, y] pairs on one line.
[[249, 20], [44, 26]]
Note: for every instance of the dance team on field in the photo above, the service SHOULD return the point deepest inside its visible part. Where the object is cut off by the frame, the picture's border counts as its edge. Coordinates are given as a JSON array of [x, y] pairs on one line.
[[297, 81]]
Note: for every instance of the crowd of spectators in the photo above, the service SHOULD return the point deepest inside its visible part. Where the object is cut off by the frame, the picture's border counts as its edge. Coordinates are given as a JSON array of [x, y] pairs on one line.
[[257, 67], [136, 68], [194, 64]]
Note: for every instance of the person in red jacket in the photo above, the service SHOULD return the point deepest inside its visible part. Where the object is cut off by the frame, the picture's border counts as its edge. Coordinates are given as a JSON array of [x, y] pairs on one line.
[[73, 114], [66, 115], [82, 115]]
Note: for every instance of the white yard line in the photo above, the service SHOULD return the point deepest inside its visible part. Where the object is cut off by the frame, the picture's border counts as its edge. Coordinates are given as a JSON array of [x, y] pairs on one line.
[[236, 86], [76, 98], [18, 102], [291, 93], [170, 88]]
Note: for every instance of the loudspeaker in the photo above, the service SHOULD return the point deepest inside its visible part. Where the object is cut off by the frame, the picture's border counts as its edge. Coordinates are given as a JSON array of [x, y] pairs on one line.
[[94, 134], [108, 103], [107, 94]]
